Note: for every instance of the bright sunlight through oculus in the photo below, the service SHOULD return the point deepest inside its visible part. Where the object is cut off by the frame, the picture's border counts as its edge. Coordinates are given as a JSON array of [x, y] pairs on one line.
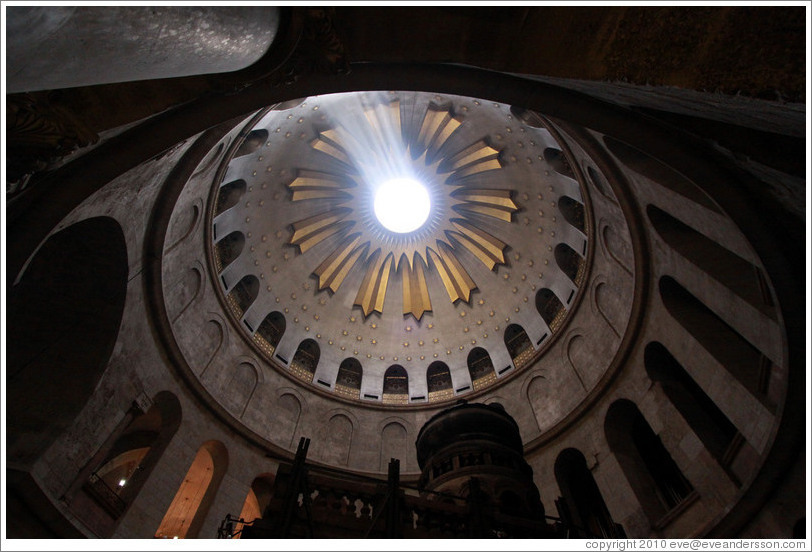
[[402, 205]]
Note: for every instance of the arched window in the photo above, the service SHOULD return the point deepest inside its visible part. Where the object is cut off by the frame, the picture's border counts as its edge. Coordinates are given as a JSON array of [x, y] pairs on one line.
[[570, 262], [725, 344], [270, 332], [573, 212], [305, 360], [395, 385], [480, 367], [709, 423], [740, 276], [598, 181], [653, 475], [243, 294], [438, 377], [253, 141], [348, 380], [188, 510], [653, 169], [66, 312], [394, 444], [228, 249], [518, 345], [526, 116], [581, 503], [256, 502], [558, 162], [551, 309], [229, 195], [112, 479]]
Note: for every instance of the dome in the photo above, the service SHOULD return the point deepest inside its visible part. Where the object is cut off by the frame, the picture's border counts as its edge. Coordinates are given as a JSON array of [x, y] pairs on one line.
[[295, 238]]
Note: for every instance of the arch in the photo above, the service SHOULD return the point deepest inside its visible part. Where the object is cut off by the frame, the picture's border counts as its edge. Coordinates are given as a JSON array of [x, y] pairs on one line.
[[573, 212], [240, 387], [188, 509], [480, 368], [583, 501], [652, 474], [335, 440], [213, 336], [709, 423], [394, 444], [618, 249], [551, 309], [599, 183], [744, 362], [305, 360], [579, 357], [518, 345], [738, 275], [290, 409], [349, 377], [270, 332], [558, 162], [210, 159], [253, 141], [395, 385], [113, 478], [570, 263], [256, 501], [608, 303], [534, 390], [243, 294], [183, 226], [67, 309], [228, 249], [229, 195], [438, 377], [656, 171], [183, 293], [527, 116]]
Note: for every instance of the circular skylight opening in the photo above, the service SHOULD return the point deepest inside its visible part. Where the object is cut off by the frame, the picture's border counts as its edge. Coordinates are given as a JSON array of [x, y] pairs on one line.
[[402, 205]]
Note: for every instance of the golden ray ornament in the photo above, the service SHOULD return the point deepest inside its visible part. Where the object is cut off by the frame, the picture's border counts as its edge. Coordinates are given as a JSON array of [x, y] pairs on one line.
[[389, 140]]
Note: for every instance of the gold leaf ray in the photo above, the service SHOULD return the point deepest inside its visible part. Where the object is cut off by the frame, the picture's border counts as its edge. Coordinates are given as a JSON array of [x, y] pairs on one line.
[[372, 293], [487, 210], [493, 197], [478, 152], [318, 185], [416, 300], [329, 142], [332, 271], [310, 231], [485, 247], [458, 284], [394, 116], [431, 122], [480, 167], [444, 134], [438, 125], [392, 113], [494, 203]]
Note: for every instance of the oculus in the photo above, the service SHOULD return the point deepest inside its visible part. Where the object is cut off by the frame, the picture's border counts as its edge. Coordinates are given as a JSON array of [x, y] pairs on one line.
[[402, 205]]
